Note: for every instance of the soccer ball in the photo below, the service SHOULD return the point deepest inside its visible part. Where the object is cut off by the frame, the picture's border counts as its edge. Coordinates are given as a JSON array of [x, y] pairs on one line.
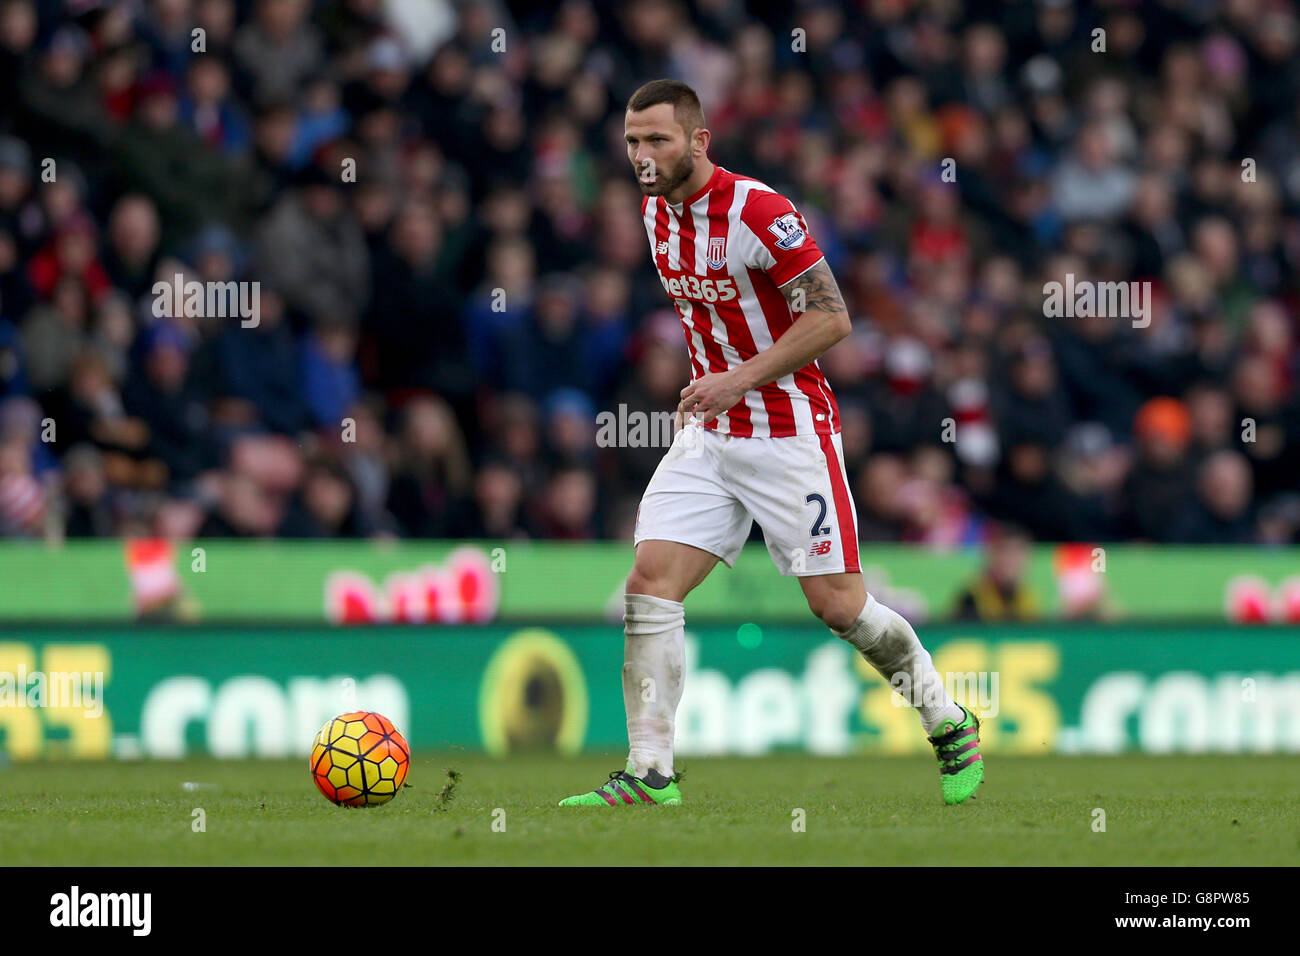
[[359, 759]]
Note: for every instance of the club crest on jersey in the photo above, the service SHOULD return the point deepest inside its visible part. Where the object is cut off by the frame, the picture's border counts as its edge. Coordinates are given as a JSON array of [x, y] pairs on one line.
[[789, 234], [717, 257]]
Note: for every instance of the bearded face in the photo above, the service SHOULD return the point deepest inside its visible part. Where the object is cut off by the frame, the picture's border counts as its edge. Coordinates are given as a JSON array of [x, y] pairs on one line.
[[659, 181], [659, 148]]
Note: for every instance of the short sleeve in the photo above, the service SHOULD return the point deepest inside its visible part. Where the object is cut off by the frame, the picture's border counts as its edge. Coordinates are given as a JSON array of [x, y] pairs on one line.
[[787, 248]]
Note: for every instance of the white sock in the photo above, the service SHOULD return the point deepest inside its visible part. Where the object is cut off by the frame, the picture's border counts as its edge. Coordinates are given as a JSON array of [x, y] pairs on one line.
[[654, 657], [889, 644]]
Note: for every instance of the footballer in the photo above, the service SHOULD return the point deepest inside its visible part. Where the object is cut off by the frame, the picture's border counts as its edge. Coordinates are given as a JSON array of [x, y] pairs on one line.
[[760, 442]]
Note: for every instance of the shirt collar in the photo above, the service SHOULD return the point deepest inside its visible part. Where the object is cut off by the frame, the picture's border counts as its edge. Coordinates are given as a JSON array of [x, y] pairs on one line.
[[713, 181]]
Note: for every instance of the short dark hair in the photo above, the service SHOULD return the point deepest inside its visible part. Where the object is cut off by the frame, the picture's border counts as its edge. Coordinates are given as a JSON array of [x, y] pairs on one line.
[[686, 104]]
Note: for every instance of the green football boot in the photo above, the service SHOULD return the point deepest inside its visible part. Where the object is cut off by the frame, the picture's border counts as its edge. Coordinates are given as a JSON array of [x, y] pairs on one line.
[[625, 790], [961, 765]]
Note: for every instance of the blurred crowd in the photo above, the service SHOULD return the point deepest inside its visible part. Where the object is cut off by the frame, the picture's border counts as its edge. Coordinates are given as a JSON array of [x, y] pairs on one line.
[[454, 280]]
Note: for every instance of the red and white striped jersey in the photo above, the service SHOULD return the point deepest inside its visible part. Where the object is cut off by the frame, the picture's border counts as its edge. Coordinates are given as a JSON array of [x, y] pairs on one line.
[[722, 254]]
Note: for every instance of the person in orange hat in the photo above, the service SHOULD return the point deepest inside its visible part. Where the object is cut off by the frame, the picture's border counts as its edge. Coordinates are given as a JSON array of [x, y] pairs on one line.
[[1164, 421], [1160, 484]]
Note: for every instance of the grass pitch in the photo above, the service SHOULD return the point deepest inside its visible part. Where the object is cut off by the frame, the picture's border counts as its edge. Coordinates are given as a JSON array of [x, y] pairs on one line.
[[1163, 811]]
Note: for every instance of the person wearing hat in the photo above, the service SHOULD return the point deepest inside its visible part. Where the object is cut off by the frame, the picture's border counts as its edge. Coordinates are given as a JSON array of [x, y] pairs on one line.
[[162, 394], [1160, 482]]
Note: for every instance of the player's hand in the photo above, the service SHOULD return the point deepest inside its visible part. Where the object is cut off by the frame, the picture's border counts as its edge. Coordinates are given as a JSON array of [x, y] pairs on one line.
[[711, 395]]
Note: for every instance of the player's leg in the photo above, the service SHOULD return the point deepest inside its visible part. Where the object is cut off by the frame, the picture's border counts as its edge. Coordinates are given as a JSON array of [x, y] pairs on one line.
[[687, 522], [654, 649], [890, 645], [885, 639], [668, 570], [801, 498]]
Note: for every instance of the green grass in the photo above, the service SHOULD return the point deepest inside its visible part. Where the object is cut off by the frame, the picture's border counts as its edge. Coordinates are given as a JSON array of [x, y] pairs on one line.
[[1172, 811]]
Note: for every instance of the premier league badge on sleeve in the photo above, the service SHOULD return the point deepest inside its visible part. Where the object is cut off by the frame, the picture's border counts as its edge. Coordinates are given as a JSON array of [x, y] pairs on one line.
[[789, 234]]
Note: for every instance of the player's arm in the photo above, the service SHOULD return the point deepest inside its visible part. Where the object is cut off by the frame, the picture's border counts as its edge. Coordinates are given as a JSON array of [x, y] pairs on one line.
[[773, 237], [821, 320]]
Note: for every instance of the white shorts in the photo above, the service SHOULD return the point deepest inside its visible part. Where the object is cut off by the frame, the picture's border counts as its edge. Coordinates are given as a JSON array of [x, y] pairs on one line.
[[709, 488]]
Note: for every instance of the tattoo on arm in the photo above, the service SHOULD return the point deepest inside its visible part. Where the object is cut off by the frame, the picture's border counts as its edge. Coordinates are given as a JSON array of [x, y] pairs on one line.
[[815, 289]]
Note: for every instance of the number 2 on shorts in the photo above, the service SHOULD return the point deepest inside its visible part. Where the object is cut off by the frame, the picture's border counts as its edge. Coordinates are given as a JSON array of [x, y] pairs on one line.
[[817, 527]]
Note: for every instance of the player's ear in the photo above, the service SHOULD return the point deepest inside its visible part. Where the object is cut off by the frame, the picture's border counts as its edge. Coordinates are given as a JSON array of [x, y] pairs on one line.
[[700, 142]]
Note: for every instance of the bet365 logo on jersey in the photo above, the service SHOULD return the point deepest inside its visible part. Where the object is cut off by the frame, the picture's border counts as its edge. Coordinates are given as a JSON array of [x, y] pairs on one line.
[[685, 285]]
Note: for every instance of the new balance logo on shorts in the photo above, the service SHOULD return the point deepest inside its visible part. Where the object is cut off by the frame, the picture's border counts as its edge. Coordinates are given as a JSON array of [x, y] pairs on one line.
[[819, 548]]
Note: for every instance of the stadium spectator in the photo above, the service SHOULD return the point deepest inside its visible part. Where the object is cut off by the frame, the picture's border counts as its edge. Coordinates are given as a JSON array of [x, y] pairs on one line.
[[312, 250], [160, 392], [88, 509], [22, 496], [277, 50], [999, 592], [497, 508], [1222, 514], [54, 333], [330, 380], [566, 508], [208, 108], [326, 506], [258, 368], [431, 476], [132, 251]]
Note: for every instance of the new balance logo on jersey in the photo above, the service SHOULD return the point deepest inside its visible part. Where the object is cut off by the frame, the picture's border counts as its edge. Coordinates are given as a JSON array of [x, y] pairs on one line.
[[661, 249], [789, 234], [819, 548]]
